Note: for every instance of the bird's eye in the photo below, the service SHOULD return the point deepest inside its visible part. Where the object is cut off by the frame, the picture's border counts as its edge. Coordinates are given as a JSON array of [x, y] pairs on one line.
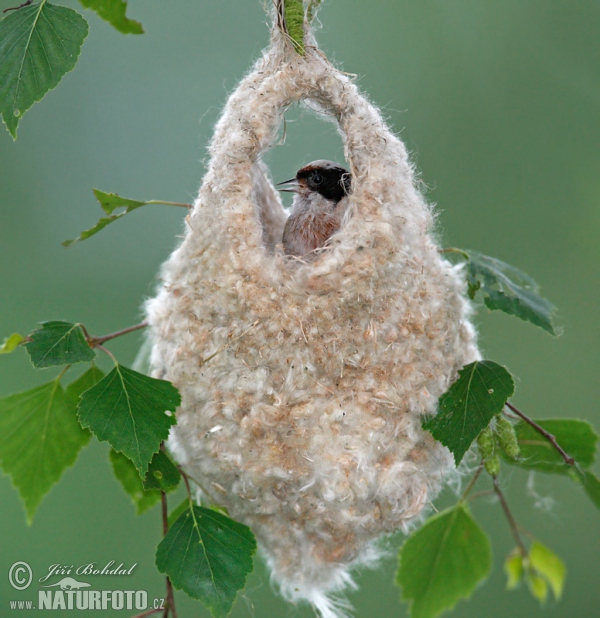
[[317, 179]]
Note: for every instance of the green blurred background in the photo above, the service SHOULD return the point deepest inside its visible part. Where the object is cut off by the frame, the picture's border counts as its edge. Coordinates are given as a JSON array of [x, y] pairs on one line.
[[499, 103]]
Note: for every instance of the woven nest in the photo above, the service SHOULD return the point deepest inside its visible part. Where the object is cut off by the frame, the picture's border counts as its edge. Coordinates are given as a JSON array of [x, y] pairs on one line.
[[303, 384]]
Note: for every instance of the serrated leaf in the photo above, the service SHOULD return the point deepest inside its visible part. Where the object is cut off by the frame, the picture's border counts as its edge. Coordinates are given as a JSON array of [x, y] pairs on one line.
[[11, 343], [514, 569], [508, 289], [83, 383], [128, 410], [109, 202], [127, 474], [39, 438], [209, 556], [469, 405], [576, 437], [549, 566], [162, 473], [443, 562], [113, 12], [39, 44], [58, 343]]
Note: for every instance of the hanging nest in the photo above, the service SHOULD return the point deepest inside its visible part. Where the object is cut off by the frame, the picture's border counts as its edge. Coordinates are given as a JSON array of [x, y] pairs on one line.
[[303, 383]]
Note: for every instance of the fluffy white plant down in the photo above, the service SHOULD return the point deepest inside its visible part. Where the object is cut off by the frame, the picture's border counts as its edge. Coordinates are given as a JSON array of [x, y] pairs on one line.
[[303, 384]]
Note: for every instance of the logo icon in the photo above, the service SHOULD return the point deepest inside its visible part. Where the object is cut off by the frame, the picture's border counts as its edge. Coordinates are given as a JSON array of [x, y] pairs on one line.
[[68, 583], [20, 575]]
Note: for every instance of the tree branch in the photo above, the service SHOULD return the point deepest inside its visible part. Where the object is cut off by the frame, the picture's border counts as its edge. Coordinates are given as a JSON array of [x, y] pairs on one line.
[[509, 516], [472, 482], [568, 460], [170, 604], [98, 341]]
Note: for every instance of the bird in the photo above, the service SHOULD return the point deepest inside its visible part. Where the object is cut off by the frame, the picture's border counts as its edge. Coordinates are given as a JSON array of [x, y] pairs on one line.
[[322, 188]]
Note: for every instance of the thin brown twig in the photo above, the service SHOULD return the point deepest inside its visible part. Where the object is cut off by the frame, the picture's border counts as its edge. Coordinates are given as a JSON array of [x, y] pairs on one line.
[[101, 347], [16, 8], [509, 516], [568, 460], [481, 494], [170, 604], [97, 341], [472, 482], [148, 613]]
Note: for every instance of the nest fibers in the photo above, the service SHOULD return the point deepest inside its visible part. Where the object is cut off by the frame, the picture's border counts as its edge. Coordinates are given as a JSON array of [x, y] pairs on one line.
[[303, 383]]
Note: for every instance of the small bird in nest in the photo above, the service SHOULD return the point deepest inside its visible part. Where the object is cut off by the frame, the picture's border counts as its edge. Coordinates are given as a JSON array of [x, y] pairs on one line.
[[321, 189]]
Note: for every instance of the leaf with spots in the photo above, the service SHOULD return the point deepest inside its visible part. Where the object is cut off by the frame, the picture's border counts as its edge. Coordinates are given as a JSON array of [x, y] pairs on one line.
[[162, 473], [129, 410], [468, 406]]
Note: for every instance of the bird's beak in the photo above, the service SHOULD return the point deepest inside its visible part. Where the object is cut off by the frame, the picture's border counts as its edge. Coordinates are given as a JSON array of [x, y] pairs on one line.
[[292, 189]]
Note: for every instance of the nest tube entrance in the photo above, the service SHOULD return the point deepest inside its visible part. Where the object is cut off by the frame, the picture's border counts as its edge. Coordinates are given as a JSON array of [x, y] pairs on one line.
[[306, 421]]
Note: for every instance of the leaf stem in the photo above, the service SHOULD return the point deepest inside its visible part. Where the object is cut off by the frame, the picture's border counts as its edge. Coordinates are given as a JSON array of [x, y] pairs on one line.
[[472, 482], [568, 460], [170, 604], [164, 203], [509, 516], [95, 342], [62, 373], [101, 347], [187, 484]]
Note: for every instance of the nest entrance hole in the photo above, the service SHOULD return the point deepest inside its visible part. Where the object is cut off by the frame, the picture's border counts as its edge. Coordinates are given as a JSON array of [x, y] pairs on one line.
[[305, 134]]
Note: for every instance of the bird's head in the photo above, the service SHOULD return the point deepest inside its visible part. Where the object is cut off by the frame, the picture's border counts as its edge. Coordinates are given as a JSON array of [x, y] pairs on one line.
[[327, 178]]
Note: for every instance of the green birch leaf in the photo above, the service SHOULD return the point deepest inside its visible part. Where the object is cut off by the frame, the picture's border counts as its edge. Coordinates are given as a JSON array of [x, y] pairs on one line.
[[39, 44], [537, 585], [508, 289], [209, 556], [39, 438], [58, 343], [113, 12], [162, 473], [549, 566], [84, 382], [443, 562], [10, 343], [469, 405], [129, 410], [127, 474], [576, 437], [591, 485], [514, 569], [109, 202]]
